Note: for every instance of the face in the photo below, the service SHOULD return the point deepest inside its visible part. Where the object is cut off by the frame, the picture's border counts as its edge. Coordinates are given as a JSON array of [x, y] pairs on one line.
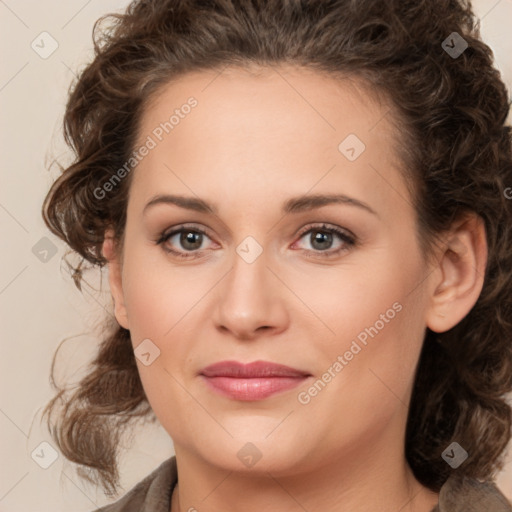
[[334, 289]]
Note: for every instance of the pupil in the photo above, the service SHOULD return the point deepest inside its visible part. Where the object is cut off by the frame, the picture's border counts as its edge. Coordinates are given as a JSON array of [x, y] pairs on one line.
[[321, 237], [189, 239]]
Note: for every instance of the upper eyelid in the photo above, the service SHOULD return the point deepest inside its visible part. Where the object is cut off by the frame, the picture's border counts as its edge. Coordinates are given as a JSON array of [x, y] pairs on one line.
[[172, 231], [205, 229], [325, 226]]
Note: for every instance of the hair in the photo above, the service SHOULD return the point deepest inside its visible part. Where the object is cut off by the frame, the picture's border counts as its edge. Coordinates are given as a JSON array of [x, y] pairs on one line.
[[454, 143]]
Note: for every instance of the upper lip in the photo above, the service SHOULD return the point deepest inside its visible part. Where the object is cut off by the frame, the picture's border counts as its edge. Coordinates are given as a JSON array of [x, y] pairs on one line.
[[251, 370]]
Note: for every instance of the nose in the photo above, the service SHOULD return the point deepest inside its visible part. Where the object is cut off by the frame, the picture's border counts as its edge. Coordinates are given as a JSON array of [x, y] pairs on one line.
[[251, 300]]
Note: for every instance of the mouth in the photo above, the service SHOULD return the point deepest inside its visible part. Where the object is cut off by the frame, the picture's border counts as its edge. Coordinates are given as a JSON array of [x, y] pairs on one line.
[[253, 381]]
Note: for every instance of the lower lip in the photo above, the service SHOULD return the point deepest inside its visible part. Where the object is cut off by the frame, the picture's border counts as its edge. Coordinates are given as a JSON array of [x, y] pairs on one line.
[[256, 388]]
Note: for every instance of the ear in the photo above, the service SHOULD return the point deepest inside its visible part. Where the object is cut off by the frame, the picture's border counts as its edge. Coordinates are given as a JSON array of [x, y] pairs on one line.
[[114, 266], [458, 277]]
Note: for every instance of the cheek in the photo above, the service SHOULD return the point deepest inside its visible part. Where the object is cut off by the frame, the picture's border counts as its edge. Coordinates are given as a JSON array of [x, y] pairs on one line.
[[376, 293], [376, 312], [377, 373], [157, 295], [159, 305]]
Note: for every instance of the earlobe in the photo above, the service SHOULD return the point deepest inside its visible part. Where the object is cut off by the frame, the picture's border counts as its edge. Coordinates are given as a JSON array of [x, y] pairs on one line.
[[460, 274], [115, 278]]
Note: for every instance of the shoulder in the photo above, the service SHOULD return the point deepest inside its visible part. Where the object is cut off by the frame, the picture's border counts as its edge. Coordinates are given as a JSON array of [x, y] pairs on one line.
[[152, 494], [463, 494]]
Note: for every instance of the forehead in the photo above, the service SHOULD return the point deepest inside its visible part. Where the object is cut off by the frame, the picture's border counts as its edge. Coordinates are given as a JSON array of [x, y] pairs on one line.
[[250, 128], [262, 98]]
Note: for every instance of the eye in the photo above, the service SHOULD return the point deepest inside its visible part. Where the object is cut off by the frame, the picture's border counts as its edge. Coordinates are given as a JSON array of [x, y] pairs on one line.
[[321, 239], [190, 239]]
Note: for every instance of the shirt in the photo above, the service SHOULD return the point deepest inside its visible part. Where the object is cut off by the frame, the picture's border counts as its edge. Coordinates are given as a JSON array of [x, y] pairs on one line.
[[458, 494]]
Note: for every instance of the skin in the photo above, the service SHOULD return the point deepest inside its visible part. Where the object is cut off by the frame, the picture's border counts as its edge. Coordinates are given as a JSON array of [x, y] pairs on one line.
[[253, 141]]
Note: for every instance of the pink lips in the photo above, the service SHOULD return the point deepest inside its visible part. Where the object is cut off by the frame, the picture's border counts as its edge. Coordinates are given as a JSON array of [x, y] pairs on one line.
[[253, 381]]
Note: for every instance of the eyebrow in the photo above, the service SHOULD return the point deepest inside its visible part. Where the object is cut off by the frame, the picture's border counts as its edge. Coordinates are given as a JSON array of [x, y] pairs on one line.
[[293, 205]]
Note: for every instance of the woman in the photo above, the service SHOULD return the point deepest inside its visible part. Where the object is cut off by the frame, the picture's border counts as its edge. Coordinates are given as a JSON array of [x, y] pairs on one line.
[[218, 146]]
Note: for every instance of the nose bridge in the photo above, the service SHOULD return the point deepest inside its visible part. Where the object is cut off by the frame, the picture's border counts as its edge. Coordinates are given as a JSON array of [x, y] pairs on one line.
[[249, 298]]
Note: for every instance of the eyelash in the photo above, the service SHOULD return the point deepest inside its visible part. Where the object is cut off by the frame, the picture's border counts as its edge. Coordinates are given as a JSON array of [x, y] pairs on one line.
[[348, 240]]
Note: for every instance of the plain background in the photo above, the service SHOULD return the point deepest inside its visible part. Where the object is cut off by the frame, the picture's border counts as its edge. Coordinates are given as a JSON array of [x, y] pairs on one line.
[[39, 304]]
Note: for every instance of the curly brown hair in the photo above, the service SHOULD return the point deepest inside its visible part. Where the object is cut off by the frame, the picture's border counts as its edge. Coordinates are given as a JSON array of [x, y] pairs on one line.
[[455, 145]]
